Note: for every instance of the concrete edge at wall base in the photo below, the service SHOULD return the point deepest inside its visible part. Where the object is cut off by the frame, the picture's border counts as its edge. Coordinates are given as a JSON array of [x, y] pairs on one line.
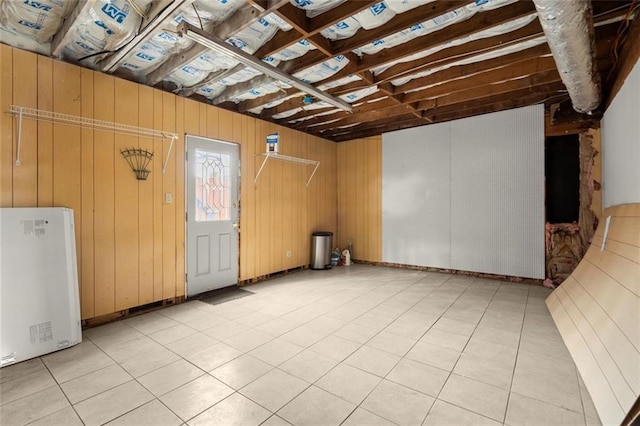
[[130, 312], [522, 280]]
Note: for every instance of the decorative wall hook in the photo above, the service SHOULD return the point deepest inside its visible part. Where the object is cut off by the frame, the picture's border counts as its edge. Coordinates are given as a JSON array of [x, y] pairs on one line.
[[138, 159]]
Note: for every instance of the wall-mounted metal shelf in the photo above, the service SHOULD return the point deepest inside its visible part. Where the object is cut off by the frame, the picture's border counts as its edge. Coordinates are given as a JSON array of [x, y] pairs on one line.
[[88, 123], [276, 156]]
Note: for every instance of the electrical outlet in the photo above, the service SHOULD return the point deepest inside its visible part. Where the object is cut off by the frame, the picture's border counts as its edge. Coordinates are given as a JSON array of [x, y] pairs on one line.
[[168, 197], [288, 253]]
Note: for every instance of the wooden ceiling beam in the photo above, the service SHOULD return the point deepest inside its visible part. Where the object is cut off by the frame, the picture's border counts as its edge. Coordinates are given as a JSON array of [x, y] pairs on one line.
[[358, 110], [485, 80], [479, 22], [338, 13], [375, 128]]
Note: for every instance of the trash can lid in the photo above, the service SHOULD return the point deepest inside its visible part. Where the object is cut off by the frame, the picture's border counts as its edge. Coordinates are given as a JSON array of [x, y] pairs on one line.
[[322, 234]]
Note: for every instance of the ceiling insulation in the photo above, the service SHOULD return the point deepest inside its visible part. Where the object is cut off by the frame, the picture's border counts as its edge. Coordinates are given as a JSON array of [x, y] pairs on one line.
[[394, 52]]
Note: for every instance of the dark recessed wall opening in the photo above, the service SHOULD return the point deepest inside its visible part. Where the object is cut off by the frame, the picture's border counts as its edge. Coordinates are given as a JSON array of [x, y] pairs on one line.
[[562, 173]]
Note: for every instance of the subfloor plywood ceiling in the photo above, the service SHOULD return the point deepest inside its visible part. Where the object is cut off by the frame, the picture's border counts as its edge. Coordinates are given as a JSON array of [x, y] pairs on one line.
[[396, 64]]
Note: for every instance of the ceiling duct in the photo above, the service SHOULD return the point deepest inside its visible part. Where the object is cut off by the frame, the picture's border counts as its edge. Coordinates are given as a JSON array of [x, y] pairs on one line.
[[568, 26]]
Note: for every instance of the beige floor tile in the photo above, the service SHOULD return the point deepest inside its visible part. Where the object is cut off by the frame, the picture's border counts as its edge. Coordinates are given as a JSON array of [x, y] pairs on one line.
[[170, 377], [475, 396], [443, 413], [373, 361], [274, 389], [150, 323], [276, 351], [194, 343], [152, 413], [213, 357], [235, 410], [485, 370], [392, 343], [205, 322], [304, 336], [148, 361], [65, 417], [21, 369], [193, 398], [356, 332], [184, 312], [398, 404], [255, 319], [275, 421], [308, 365], [497, 335], [434, 355], [506, 355], [172, 334], [94, 383], [276, 327], [76, 361], [105, 330], [25, 385], [455, 326], [417, 376], [348, 383], [122, 335], [132, 348], [559, 390], [113, 403], [362, 417], [241, 371], [445, 339], [315, 406], [33, 407], [335, 347], [524, 411], [225, 330], [248, 340]]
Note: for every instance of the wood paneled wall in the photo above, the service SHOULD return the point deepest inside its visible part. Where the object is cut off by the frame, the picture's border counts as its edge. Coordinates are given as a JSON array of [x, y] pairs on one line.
[[597, 311], [360, 197], [130, 243]]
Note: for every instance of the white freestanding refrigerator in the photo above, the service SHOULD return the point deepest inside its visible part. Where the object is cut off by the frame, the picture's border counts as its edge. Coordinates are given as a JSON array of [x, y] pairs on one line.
[[39, 300]]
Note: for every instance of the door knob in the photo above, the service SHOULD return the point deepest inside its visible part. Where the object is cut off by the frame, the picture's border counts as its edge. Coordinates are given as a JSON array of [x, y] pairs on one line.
[[234, 225]]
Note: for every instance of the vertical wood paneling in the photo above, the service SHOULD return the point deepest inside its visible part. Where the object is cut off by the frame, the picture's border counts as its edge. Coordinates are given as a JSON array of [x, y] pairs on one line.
[[169, 210], [130, 242], [45, 133], [178, 160], [359, 171], [126, 199], [104, 225], [25, 93], [87, 257], [158, 198], [6, 126], [67, 149], [146, 202]]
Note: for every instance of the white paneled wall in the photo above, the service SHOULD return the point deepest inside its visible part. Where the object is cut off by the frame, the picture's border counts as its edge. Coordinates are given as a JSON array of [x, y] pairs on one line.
[[621, 144], [467, 195]]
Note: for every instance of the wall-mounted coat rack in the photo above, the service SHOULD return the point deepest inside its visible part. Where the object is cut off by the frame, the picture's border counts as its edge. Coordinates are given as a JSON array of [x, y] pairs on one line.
[[88, 123], [276, 156]]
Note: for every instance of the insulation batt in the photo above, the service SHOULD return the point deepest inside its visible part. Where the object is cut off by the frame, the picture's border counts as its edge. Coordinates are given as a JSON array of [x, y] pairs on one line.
[[107, 26], [38, 20]]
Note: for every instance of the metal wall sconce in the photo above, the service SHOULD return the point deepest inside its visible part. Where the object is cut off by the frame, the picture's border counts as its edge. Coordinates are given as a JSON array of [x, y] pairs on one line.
[[138, 159]]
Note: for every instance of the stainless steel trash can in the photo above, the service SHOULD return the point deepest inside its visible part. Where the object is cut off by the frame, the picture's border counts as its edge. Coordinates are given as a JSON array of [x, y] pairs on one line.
[[321, 250]]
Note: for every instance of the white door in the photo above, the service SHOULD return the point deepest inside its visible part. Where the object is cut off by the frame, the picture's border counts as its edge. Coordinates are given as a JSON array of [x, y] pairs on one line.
[[212, 214]]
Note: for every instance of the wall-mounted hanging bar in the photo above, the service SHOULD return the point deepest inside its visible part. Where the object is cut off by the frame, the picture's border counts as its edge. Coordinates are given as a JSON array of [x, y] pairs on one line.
[[276, 156], [88, 123]]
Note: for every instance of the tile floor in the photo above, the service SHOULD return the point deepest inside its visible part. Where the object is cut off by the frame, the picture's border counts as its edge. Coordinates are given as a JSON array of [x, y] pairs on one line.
[[358, 345]]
